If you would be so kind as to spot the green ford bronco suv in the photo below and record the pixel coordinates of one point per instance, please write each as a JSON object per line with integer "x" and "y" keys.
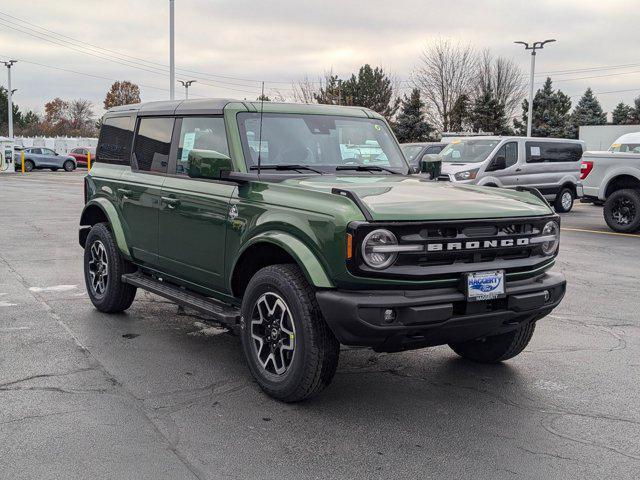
{"x": 302, "y": 227}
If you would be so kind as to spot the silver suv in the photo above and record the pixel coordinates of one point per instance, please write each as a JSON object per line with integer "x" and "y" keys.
{"x": 551, "y": 165}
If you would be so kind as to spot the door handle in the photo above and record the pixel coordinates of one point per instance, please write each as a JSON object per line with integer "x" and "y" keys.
{"x": 124, "y": 192}
{"x": 518, "y": 169}
{"x": 171, "y": 202}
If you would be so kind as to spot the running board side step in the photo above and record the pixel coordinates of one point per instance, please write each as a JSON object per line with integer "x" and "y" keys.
{"x": 225, "y": 314}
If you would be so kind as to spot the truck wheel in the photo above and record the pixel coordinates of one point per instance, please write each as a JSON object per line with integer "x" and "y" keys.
{"x": 103, "y": 267}
{"x": 29, "y": 165}
{"x": 290, "y": 350}
{"x": 68, "y": 166}
{"x": 622, "y": 210}
{"x": 564, "y": 201}
{"x": 497, "y": 348}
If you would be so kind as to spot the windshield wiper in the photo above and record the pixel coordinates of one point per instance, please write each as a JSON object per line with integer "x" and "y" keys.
{"x": 367, "y": 168}
{"x": 285, "y": 167}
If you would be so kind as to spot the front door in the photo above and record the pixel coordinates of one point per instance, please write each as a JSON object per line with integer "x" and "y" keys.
{"x": 504, "y": 165}
{"x": 194, "y": 212}
{"x": 139, "y": 190}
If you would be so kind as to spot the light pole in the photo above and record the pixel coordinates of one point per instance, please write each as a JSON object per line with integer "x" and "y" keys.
{"x": 186, "y": 84}
{"x": 8, "y": 64}
{"x": 533, "y": 47}
{"x": 172, "y": 64}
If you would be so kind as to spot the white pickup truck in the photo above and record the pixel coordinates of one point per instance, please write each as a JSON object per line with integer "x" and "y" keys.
{"x": 613, "y": 178}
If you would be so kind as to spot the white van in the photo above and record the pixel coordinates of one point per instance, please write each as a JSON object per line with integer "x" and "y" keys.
{"x": 552, "y": 165}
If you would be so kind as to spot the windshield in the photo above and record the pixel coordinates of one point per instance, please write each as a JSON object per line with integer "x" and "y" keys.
{"x": 411, "y": 152}
{"x": 625, "y": 147}
{"x": 321, "y": 142}
{"x": 468, "y": 151}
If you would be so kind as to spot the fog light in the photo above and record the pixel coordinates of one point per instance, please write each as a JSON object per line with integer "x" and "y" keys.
{"x": 389, "y": 315}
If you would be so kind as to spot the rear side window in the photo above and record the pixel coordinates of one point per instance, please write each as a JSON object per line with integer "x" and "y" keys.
{"x": 35, "y": 151}
{"x": 539, "y": 152}
{"x": 152, "y": 145}
{"x": 114, "y": 145}
{"x": 435, "y": 149}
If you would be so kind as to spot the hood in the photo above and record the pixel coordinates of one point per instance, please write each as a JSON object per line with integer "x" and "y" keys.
{"x": 406, "y": 198}
{"x": 455, "y": 167}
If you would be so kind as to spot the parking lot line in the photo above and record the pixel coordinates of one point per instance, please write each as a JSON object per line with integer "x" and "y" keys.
{"x": 599, "y": 231}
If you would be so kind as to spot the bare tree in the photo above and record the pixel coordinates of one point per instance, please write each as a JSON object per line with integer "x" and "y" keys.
{"x": 304, "y": 91}
{"x": 447, "y": 71}
{"x": 503, "y": 78}
{"x": 81, "y": 116}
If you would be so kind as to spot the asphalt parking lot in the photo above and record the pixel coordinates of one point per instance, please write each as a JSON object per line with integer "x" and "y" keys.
{"x": 157, "y": 393}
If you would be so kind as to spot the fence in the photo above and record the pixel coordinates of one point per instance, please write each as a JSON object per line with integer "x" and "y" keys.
{"x": 62, "y": 145}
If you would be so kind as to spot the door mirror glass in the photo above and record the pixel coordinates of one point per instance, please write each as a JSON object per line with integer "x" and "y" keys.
{"x": 431, "y": 164}
{"x": 208, "y": 164}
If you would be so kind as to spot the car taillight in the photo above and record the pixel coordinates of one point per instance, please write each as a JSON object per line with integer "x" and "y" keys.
{"x": 585, "y": 169}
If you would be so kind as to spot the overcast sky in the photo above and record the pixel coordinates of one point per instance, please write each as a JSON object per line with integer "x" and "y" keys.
{"x": 284, "y": 40}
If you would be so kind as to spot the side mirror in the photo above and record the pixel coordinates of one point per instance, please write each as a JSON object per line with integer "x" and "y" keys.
{"x": 432, "y": 164}
{"x": 208, "y": 164}
{"x": 498, "y": 163}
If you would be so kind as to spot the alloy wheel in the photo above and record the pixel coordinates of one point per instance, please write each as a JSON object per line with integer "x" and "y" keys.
{"x": 273, "y": 333}
{"x": 98, "y": 268}
{"x": 566, "y": 200}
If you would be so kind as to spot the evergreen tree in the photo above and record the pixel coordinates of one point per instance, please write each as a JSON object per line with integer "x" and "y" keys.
{"x": 371, "y": 89}
{"x": 488, "y": 114}
{"x": 459, "y": 114}
{"x": 588, "y": 111}
{"x": 550, "y": 113}
{"x": 410, "y": 125}
{"x": 329, "y": 93}
{"x": 635, "y": 112}
{"x": 622, "y": 114}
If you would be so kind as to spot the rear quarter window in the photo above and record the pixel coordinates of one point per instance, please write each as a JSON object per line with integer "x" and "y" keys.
{"x": 540, "y": 152}
{"x": 116, "y": 137}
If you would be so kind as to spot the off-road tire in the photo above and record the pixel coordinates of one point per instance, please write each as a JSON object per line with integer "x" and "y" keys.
{"x": 497, "y": 348}
{"x": 558, "y": 204}
{"x": 29, "y": 165}
{"x": 68, "y": 166}
{"x": 118, "y": 296}
{"x": 630, "y": 195}
{"x": 316, "y": 350}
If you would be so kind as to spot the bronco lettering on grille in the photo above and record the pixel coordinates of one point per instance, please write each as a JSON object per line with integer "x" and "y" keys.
{"x": 478, "y": 244}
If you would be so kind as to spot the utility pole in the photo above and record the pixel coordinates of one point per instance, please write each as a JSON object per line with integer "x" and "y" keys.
{"x": 172, "y": 60}
{"x": 186, "y": 84}
{"x": 533, "y": 47}
{"x": 8, "y": 64}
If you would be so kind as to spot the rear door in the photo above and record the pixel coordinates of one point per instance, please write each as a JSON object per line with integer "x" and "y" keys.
{"x": 194, "y": 212}
{"x": 140, "y": 187}
{"x": 49, "y": 158}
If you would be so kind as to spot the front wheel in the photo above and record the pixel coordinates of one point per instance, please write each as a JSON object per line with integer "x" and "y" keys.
{"x": 622, "y": 210}
{"x": 564, "y": 201}
{"x": 68, "y": 166}
{"x": 289, "y": 348}
{"x": 496, "y": 348}
{"x": 103, "y": 269}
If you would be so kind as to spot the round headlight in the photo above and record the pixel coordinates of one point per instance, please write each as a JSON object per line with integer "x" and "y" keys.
{"x": 551, "y": 229}
{"x": 376, "y": 257}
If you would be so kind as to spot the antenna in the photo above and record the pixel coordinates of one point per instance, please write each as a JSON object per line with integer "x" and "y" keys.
{"x": 260, "y": 135}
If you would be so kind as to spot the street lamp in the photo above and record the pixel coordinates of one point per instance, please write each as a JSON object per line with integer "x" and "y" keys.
{"x": 8, "y": 64}
{"x": 533, "y": 47}
{"x": 172, "y": 56}
{"x": 186, "y": 84}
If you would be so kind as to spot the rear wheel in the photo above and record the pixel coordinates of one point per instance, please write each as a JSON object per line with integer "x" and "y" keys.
{"x": 289, "y": 348}
{"x": 496, "y": 348}
{"x": 622, "y": 210}
{"x": 69, "y": 166}
{"x": 29, "y": 165}
{"x": 564, "y": 201}
{"x": 103, "y": 269}
{"x": 54, "y": 169}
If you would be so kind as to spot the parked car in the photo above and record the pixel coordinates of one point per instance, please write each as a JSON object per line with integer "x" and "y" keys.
{"x": 260, "y": 219}
{"x": 612, "y": 178}
{"x": 41, "y": 157}
{"x": 551, "y": 165}
{"x": 414, "y": 152}
{"x": 80, "y": 154}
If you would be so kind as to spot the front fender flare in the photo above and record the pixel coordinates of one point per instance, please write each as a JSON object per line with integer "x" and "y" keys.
{"x": 114, "y": 222}
{"x": 306, "y": 259}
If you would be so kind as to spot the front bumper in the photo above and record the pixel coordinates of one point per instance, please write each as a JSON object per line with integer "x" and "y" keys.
{"x": 435, "y": 317}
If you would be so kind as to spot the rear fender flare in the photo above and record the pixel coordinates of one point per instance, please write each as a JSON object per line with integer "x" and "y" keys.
{"x": 114, "y": 222}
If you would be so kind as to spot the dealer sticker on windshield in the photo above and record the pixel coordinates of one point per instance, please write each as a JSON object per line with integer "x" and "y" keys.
{"x": 485, "y": 285}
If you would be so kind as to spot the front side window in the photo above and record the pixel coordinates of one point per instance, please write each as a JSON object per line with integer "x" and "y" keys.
{"x": 539, "y": 152}
{"x": 152, "y": 144}
{"x": 321, "y": 142}
{"x": 468, "y": 151}
{"x": 625, "y": 148}
{"x": 47, "y": 151}
{"x": 114, "y": 144}
{"x": 200, "y": 133}
{"x": 434, "y": 150}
